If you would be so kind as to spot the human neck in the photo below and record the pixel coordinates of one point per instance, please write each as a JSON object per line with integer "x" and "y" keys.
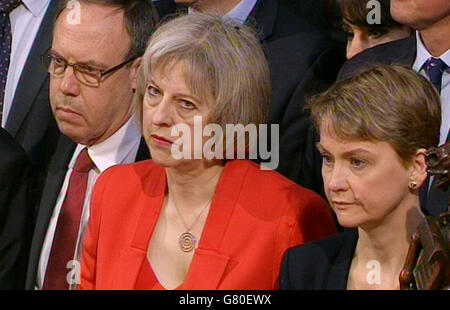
{"x": 221, "y": 7}
{"x": 381, "y": 244}
{"x": 191, "y": 188}
{"x": 383, "y": 247}
{"x": 435, "y": 37}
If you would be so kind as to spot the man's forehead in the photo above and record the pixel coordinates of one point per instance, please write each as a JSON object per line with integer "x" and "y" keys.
{"x": 93, "y": 19}
{"x": 97, "y": 37}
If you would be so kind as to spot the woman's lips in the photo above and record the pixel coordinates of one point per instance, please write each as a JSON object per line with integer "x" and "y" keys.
{"x": 161, "y": 140}
{"x": 341, "y": 204}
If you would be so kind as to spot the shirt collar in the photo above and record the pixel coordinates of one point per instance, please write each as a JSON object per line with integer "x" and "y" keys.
{"x": 240, "y": 12}
{"x": 423, "y": 55}
{"x": 36, "y": 6}
{"x": 114, "y": 150}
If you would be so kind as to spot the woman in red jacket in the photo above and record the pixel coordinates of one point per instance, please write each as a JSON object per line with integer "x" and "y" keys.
{"x": 193, "y": 218}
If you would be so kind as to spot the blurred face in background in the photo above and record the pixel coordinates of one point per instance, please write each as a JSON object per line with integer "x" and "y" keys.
{"x": 361, "y": 38}
{"x": 420, "y": 14}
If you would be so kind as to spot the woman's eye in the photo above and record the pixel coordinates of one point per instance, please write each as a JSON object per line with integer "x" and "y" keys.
{"x": 187, "y": 105}
{"x": 357, "y": 162}
{"x": 375, "y": 34}
{"x": 326, "y": 159}
{"x": 152, "y": 91}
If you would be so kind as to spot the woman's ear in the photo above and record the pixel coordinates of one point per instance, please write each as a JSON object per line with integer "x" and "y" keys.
{"x": 134, "y": 72}
{"x": 418, "y": 169}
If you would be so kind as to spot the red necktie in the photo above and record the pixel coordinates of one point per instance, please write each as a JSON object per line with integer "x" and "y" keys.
{"x": 68, "y": 225}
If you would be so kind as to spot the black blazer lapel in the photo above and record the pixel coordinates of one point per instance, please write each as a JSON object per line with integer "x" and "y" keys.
{"x": 408, "y": 51}
{"x": 34, "y": 75}
{"x": 53, "y": 183}
{"x": 396, "y": 52}
{"x": 338, "y": 275}
{"x": 143, "y": 151}
{"x": 263, "y": 17}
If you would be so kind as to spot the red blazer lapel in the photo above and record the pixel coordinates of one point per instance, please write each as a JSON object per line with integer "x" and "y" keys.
{"x": 208, "y": 258}
{"x": 133, "y": 256}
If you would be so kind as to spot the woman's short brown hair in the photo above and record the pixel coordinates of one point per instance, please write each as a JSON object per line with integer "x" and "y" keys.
{"x": 223, "y": 61}
{"x": 385, "y": 103}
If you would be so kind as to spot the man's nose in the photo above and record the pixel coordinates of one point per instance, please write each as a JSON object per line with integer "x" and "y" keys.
{"x": 70, "y": 86}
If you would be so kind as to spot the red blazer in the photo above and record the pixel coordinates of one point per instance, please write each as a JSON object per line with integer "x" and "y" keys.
{"x": 254, "y": 218}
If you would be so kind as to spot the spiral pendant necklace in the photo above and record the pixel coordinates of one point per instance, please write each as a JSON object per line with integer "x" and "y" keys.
{"x": 187, "y": 241}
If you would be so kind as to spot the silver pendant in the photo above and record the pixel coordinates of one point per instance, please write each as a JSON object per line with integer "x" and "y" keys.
{"x": 187, "y": 242}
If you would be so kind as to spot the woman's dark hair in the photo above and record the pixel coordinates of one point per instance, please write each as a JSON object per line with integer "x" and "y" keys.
{"x": 355, "y": 12}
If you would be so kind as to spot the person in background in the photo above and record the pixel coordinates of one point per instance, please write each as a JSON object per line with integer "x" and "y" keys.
{"x": 25, "y": 34}
{"x": 93, "y": 66}
{"x": 198, "y": 222}
{"x": 427, "y": 52}
{"x": 354, "y": 20}
{"x": 374, "y": 131}
{"x": 17, "y": 198}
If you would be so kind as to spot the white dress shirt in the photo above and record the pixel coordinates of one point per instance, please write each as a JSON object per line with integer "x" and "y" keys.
{"x": 120, "y": 148}
{"x": 240, "y": 12}
{"x": 422, "y": 56}
{"x": 25, "y": 22}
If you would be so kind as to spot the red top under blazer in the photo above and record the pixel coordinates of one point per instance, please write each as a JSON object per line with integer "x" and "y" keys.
{"x": 255, "y": 216}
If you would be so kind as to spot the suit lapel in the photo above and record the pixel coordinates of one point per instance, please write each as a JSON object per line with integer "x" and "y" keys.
{"x": 34, "y": 75}
{"x": 208, "y": 258}
{"x": 338, "y": 275}
{"x": 264, "y": 15}
{"x": 132, "y": 257}
{"x": 53, "y": 183}
{"x": 409, "y": 51}
{"x": 143, "y": 151}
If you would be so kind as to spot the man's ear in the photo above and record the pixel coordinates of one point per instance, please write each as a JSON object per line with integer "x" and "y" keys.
{"x": 419, "y": 168}
{"x": 134, "y": 72}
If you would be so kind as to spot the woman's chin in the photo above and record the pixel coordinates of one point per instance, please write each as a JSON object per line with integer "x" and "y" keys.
{"x": 348, "y": 222}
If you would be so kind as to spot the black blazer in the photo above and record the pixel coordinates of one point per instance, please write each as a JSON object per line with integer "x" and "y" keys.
{"x": 320, "y": 265}
{"x": 165, "y": 7}
{"x": 53, "y": 183}
{"x": 401, "y": 52}
{"x": 303, "y": 61}
{"x": 16, "y": 212}
{"x": 30, "y": 120}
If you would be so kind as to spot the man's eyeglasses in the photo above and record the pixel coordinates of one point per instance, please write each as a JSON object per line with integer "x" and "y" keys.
{"x": 86, "y": 74}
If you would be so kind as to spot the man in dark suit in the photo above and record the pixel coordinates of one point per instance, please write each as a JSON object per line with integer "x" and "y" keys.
{"x": 92, "y": 81}
{"x": 427, "y": 52}
{"x": 16, "y": 212}
{"x": 303, "y": 61}
{"x": 165, "y": 7}
{"x": 29, "y": 119}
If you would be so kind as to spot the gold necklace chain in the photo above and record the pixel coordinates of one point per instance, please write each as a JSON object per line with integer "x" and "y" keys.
{"x": 187, "y": 241}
